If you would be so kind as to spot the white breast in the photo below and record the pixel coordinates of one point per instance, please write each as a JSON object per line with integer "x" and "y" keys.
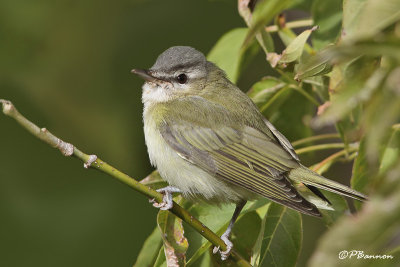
{"x": 182, "y": 174}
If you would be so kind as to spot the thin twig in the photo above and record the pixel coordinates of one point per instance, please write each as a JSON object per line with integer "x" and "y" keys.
{"x": 273, "y": 98}
{"x": 305, "y": 94}
{"x": 315, "y": 138}
{"x": 319, "y": 147}
{"x": 291, "y": 25}
{"x": 93, "y": 161}
{"x": 332, "y": 158}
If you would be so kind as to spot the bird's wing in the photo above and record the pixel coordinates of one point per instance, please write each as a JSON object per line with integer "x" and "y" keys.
{"x": 245, "y": 157}
{"x": 282, "y": 140}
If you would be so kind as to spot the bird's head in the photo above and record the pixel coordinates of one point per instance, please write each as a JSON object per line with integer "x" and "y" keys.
{"x": 178, "y": 72}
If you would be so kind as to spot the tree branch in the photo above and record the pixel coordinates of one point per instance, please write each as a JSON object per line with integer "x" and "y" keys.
{"x": 93, "y": 161}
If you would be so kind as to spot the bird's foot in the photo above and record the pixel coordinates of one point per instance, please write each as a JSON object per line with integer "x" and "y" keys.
{"x": 229, "y": 246}
{"x": 167, "y": 202}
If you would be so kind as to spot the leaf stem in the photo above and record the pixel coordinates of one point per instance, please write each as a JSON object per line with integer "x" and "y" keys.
{"x": 272, "y": 100}
{"x": 305, "y": 94}
{"x": 332, "y": 158}
{"x": 293, "y": 85}
{"x": 319, "y": 147}
{"x": 291, "y": 25}
{"x": 315, "y": 138}
{"x": 93, "y": 161}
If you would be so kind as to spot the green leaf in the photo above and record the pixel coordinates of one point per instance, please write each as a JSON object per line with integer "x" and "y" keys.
{"x": 255, "y": 258}
{"x": 366, "y": 173}
{"x": 313, "y": 65}
{"x": 228, "y": 54}
{"x": 391, "y": 154}
{"x": 381, "y": 113}
{"x": 262, "y": 91}
{"x": 244, "y": 236}
{"x": 264, "y": 13}
{"x": 338, "y": 203}
{"x": 149, "y": 252}
{"x": 363, "y": 172}
{"x": 245, "y": 233}
{"x": 175, "y": 243}
{"x": 205, "y": 261}
{"x": 282, "y": 237}
{"x": 386, "y": 45}
{"x": 217, "y": 219}
{"x": 214, "y": 217}
{"x": 160, "y": 261}
{"x": 294, "y": 50}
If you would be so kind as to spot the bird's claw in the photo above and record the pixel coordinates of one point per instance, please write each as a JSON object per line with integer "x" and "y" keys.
{"x": 161, "y": 205}
{"x": 167, "y": 202}
{"x": 229, "y": 246}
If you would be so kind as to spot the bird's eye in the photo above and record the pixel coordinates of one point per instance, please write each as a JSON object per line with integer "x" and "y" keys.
{"x": 181, "y": 78}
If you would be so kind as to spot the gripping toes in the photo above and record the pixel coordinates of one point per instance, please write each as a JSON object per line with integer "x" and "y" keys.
{"x": 229, "y": 246}
{"x": 167, "y": 202}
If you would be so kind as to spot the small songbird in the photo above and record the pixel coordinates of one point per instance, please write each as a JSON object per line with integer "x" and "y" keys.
{"x": 209, "y": 141}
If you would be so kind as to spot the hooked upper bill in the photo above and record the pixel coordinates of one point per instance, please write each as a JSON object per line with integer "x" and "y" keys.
{"x": 145, "y": 74}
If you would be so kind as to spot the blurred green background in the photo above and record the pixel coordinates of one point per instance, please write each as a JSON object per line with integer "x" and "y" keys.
{"x": 66, "y": 65}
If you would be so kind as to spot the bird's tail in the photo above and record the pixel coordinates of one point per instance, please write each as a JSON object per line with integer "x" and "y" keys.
{"x": 306, "y": 176}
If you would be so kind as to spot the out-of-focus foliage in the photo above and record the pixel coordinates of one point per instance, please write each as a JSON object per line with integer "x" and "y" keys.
{"x": 347, "y": 68}
{"x": 229, "y": 55}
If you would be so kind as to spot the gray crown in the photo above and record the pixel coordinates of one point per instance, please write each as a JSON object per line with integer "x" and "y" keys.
{"x": 177, "y": 57}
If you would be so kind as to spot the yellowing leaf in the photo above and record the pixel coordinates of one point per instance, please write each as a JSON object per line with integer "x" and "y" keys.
{"x": 175, "y": 243}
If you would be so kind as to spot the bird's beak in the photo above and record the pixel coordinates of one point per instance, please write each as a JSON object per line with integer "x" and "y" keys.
{"x": 145, "y": 74}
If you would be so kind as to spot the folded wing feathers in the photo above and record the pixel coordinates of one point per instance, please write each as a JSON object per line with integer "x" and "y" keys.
{"x": 249, "y": 159}
{"x": 282, "y": 140}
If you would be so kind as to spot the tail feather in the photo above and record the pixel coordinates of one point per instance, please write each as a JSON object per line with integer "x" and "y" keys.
{"x": 308, "y": 177}
{"x": 318, "y": 193}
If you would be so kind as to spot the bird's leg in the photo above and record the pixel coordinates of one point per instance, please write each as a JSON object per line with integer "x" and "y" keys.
{"x": 227, "y": 233}
{"x": 167, "y": 202}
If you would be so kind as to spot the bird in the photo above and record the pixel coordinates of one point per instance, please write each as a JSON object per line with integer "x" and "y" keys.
{"x": 209, "y": 141}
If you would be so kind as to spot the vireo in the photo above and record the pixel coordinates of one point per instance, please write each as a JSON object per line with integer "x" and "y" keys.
{"x": 208, "y": 140}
